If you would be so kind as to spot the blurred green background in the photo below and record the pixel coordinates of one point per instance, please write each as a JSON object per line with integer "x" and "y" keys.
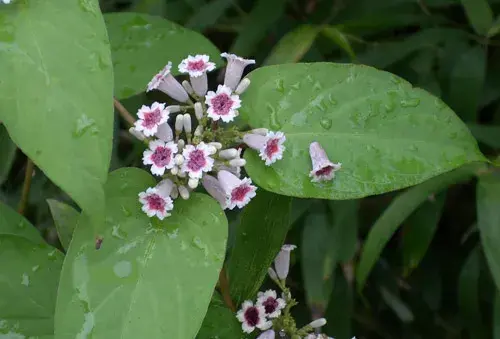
{"x": 432, "y": 279}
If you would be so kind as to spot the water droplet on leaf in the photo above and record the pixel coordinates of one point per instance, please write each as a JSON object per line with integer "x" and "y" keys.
{"x": 83, "y": 124}
{"x": 413, "y": 102}
{"x": 280, "y": 86}
{"x": 122, "y": 269}
{"x": 25, "y": 280}
{"x": 326, "y": 123}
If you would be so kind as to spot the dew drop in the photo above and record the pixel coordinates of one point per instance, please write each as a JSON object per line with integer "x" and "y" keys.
{"x": 126, "y": 211}
{"x": 298, "y": 119}
{"x": 122, "y": 269}
{"x": 83, "y": 124}
{"x": 35, "y": 268}
{"x": 274, "y": 123}
{"x": 21, "y": 225}
{"x": 117, "y": 233}
{"x": 413, "y": 102}
{"x": 280, "y": 86}
{"x": 317, "y": 86}
{"x": 52, "y": 255}
{"x": 326, "y": 123}
{"x": 413, "y": 148}
{"x": 309, "y": 78}
{"x": 389, "y": 107}
{"x": 87, "y": 6}
{"x": 296, "y": 86}
{"x": 332, "y": 100}
{"x": 439, "y": 103}
{"x": 25, "y": 280}
{"x": 396, "y": 79}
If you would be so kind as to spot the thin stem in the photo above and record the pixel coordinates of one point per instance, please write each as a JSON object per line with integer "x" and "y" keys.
{"x": 28, "y": 175}
{"x": 124, "y": 113}
{"x": 224, "y": 290}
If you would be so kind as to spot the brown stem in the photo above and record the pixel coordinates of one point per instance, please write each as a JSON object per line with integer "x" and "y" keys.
{"x": 124, "y": 113}
{"x": 28, "y": 174}
{"x": 224, "y": 289}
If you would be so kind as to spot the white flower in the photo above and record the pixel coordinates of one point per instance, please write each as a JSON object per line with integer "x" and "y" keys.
{"x": 252, "y": 317}
{"x": 270, "y": 146}
{"x": 267, "y": 335}
{"x": 222, "y": 105}
{"x": 165, "y": 132}
{"x": 150, "y": 118}
{"x": 282, "y": 261}
{"x": 318, "y": 323}
{"x": 214, "y": 188}
{"x": 160, "y": 155}
{"x": 234, "y": 69}
{"x": 271, "y": 303}
{"x": 197, "y": 160}
{"x": 239, "y": 192}
{"x": 165, "y": 82}
{"x": 323, "y": 168}
{"x": 155, "y": 203}
{"x": 196, "y": 65}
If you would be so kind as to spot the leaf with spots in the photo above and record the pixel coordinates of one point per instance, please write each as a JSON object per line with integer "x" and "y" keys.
{"x": 387, "y": 134}
{"x": 29, "y": 276}
{"x": 57, "y": 104}
{"x": 148, "y": 278}
{"x": 142, "y": 45}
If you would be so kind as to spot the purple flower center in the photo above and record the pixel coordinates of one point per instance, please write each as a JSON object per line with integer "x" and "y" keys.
{"x": 327, "y": 170}
{"x": 270, "y": 305}
{"x": 161, "y": 156}
{"x": 155, "y": 202}
{"x": 252, "y": 316}
{"x": 272, "y": 147}
{"x": 196, "y": 160}
{"x": 198, "y": 65}
{"x": 152, "y": 118}
{"x": 240, "y": 192}
{"x": 222, "y": 104}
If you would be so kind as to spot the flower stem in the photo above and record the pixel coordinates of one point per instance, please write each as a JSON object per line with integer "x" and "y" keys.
{"x": 224, "y": 289}
{"x": 124, "y": 113}
{"x": 28, "y": 174}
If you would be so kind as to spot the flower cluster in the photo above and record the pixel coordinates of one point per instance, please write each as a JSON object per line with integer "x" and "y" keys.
{"x": 271, "y": 314}
{"x": 192, "y": 148}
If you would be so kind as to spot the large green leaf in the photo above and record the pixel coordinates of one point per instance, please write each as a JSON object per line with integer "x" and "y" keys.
{"x": 387, "y": 134}
{"x": 488, "y": 219}
{"x": 142, "y": 45}
{"x": 260, "y": 235}
{"x": 479, "y": 14}
{"x": 29, "y": 276}
{"x": 340, "y": 308}
{"x": 148, "y": 279}
{"x": 65, "y": 218}
{"x": 220, "y": 322}
{"x": 400, "y": 209}
{"x": 57, "y": 104}
{"x": 7, "y": 155}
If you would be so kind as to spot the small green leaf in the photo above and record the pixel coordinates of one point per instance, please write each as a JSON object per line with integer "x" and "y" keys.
{"x": 12, "y": 223}
{"x": 495, "y": 28}
{"x": 344, "y": 233}
{"x": 468, "y": 295}
{"x": 257, "y": 24}
{"x": 7, "y": 155}
{"x": 57, "y": 105}
{"x": 387, "y": 134}
{"x": 293, "y": 46}
{"x": 339, "y": 38}
{"x": 479, "y": 14}
{"x": 488, "y": 219}
{"x": 148, "y": 278}
{"x": 220, "y": 322}
{"x": 400, "y": 209}
{"x": 65, "y": 218}
{"x": 28, "y": 279}
{"x": 419, "y": 231}
{"x": 260, "y": 235}
{"x": 143, "y": 44}
{"x": 490, "y": 135}
{"x": 208, "y": 14}
{"x": 467, "y": 82}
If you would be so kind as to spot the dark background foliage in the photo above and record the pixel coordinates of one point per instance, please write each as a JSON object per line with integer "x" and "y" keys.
{"x": 432, "y": 279}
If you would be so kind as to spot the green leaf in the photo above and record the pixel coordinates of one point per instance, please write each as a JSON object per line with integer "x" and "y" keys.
{"x": 340, "y": 308}
{"x": 293, "y": 46}
{"x": 490, "y": 135}
{"x": 397, "y": 305}
{"x": 496, "y": 317}
{"x": 317, "y": 257}
{"x": 479, "y": 14}
{"x": 220, "y": 322}
{"x": 468, "y": 293}
{"x": 495, "y": 28}
{"x": 65, "y": 218}
{"x": 338, "y": 37}
{"x": 7, "y": 155}
{"x": 400, "y": 209}
{"x": 12, "y": 223}
{"x": 143, "y": 44}
{"x": 148, "y": 278}
{"x": 61, "y": 118}
{"x": 28, "y": 279}
{"x": 419, "y": 231}
{"x": 488, "y": 219}
{"x": 260, "y": 235}
{"x": 344, "y": 233}
{"x": 467, "y": 82}
{"x": 263, "y": 16}
{"x": 387, "y": 134}
{"x": 208, "y": 14}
